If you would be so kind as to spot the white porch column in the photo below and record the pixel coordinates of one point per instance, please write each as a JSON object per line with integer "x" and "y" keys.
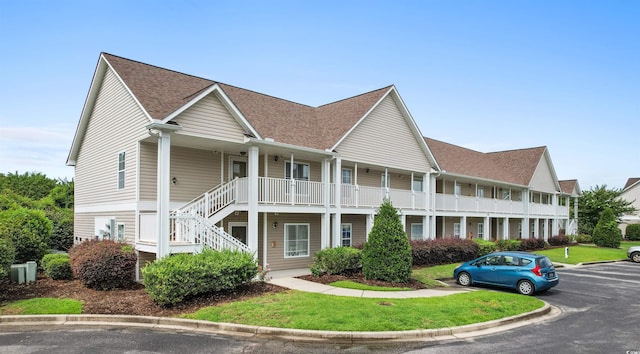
{"x": 369, "y": 225}
{"x": 487, "y": 228}
{"x": 325, "y": 218}
{"x": 463, "y": 227}
{"x": 505, "y": 229}
{"x": 426, "y": 228}
{"x": 525, "y": 220}
{"x": 536, "y": 228}
{"x": 252, "y": 221}
{"x": 337, "y": 224}
{"x": 265, "y": 246}
{"x": 403, "y": 221}
{"x": 546, "y": 229}
{"x": 163, "y": 190}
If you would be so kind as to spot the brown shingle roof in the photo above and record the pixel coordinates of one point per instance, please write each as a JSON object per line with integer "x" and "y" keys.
{"x": 631, "y": 182}
{"x": 568, "y": 186}
{"x": 513, "y": 166}
{"x": 161, "y": 92}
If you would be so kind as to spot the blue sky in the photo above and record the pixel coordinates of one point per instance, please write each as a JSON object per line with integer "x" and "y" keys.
{"x": 486, "y": 75}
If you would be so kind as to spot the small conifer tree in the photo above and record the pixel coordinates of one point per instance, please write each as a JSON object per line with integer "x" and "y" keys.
{"x": 387, "y": 253}
{"x": 606, "y": 233}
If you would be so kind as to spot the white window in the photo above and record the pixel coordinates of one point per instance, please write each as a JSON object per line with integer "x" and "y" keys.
{"x": 481, "y": 230}
{"x": 121, "y": 169}
{"x": 296, "y": 240}
{"x": 384, "y": 180}
{"x": 347, "y": 176}
{"x": 480, "y": 192}
{"x": 300, "y": 171}
{"x": 520, "y": 230}
{"x": 506, "y": 194}
{"x": 416, "y": 231}
{"x": 346, "y": 235}
{"x": 417, "y": 185}
{"x": 120, "y": 232}
{"x": 456, "y": 230}
{"x": 457, "y": 189}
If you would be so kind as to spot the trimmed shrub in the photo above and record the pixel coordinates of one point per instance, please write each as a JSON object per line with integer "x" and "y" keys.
{"x": 387, "y": 255}
{"x": 103, "y": 264}
{"x": 173, "y": 279}
{"x": 28, "y": 230}
{"x": 606, "y": 233}
{"x": 632, "y": 233}
{"x": 57, "y": 266}
{"x": 529, "y": 244}
{"x": 558, "y": 240}
{"x": 485, "y": 247}
{"x": 443, "y": 251}
{"x": 339, "y": 260}
{"x": 582, "y": 238}
{"x": 62, "y": 229}
{"x": 7, "y": 256}
{"x": 508, "y": 245}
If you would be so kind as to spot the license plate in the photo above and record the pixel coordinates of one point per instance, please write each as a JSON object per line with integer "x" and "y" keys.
{"x": 551, "y": 275}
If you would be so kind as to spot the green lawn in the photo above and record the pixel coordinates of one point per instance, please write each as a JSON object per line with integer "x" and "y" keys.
{"x": 348, "y": 284}
{"x": 42, "y": 306}
{"x": 427, "y": 275}
{"x": 295, "y": 309}
{"x": 588, "y": 253}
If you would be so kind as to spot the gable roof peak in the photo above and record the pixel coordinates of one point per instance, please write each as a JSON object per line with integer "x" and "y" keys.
{"x": 357, "y": 96}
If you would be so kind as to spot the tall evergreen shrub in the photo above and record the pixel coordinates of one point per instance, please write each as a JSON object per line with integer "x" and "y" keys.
{"x": 387, "y": 254}
{"x": 606, "y": 233}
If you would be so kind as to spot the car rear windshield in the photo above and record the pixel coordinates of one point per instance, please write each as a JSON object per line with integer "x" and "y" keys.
{"x": 544, "y": 262}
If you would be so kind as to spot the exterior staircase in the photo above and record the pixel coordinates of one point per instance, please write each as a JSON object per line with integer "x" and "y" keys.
{"x": 195, "y": 222}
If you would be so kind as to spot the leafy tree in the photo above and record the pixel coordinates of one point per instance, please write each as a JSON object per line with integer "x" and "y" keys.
{"x": 62, "y": 194}
{"x": 606, "y": 233}
{"x": 28, "y": 230}
{"x": 387, "y": 254}
{"x": 32, "y": 185}
{"x": 633, "y": 232}
{"x": 7, "y": 256}
{"x": 593, "y": 202}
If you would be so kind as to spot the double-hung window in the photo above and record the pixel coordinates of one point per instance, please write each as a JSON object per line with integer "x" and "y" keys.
{"x": 121, "y": 169}
{"x": 481, "y": 230}
{"x": 347, "y": 176}
{"x": 480, "y": 192}
{"x": 296, "y": 240}
{"x": 416, "y": 231}
{"x": 120, "y": 232}
{"x": 346, "y": 238}
{"x": 417, "y": 185}
{"x": 300, "y": 173}
{"x": 456, "y": 230}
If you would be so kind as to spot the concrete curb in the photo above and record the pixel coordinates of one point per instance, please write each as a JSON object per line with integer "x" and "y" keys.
{"x": 178, "y": 324}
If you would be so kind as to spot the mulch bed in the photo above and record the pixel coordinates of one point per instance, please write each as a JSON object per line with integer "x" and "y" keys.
{"x": 359, "y": 278}
{"x": 132, "y": 301}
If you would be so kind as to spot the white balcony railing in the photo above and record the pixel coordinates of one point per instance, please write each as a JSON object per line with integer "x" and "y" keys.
{"x": 450, "y": 202}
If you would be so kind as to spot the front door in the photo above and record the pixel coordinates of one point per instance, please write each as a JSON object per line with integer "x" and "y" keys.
{"x": 239, "y": 231}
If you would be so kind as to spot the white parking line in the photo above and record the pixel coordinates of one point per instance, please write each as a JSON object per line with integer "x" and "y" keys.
{"x": 599, "y": 277}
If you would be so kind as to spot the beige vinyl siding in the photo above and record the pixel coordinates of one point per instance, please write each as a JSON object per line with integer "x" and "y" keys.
{"x": 275, "y": 254}
{"x": 542, "y": 179}
{"x": 412, "y": 219}
{"x": 384, "y": 138}
{"x": 196, "y": 171}
{"x": 115, "y": 126}
{"x": 358, "y": 228}
{"x": 209, "y": 118}
{"x": 84, "y": 224}
{"x": 277, "y": 169}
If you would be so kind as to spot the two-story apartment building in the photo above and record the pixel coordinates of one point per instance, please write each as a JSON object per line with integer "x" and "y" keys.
{"x": 630, "y": 193}
{"x": 171, "y": 162}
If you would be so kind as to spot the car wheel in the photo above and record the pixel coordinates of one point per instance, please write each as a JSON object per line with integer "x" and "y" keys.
{"x": 464, "y": 279}
{"x": 635, "y": 256}
{"x": 526, "y": 287}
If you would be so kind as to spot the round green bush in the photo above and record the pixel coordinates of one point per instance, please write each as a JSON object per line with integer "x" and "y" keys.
{"x": 485, "y": 247}
{"x": 103, "y": 264}
{"x": 582, "y": 238}
{"x": 28, "y": 230}
{"x": 387, "y": 253}
{"x": 59, "y": 269}
{"x": 632, "y": 233}
{"x": 7, "y": 256}
{"x": 339, "y": 260}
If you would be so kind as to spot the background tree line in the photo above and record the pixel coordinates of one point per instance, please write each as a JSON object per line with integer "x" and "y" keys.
{"x": 36, "y": 216}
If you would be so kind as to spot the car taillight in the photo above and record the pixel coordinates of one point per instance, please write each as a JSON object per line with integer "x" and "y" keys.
{"x": 537, "y": 271}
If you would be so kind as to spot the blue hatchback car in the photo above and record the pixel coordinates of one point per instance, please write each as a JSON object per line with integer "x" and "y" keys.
{"x": 523, "y": 271}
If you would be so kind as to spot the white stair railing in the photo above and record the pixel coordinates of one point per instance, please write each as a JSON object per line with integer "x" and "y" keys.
{"x": 214, "y": 199}
{"x": 193, "y": 228}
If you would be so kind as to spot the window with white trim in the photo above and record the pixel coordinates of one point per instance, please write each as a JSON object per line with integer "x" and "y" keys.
{"x": 121, "y": 169}
{"x": 120, "y": 232}
{"x": 296, "y": 240}
{"x": 384, "y": 180}
{"x": 456, "y": 230}
{"x": 347, "y": 176}
{"x": 417, "y": 185}
{"x": 416, "y": 231}
{"x": 300, "y": 171}
{"x": 346, "y": 238}
{"x": 457, "y": 189}
{"x": 480, "y": 192}
{"x": 506, "y": 194}
{"x": 481, "y": 230}
{"x": 520, "y": 230}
